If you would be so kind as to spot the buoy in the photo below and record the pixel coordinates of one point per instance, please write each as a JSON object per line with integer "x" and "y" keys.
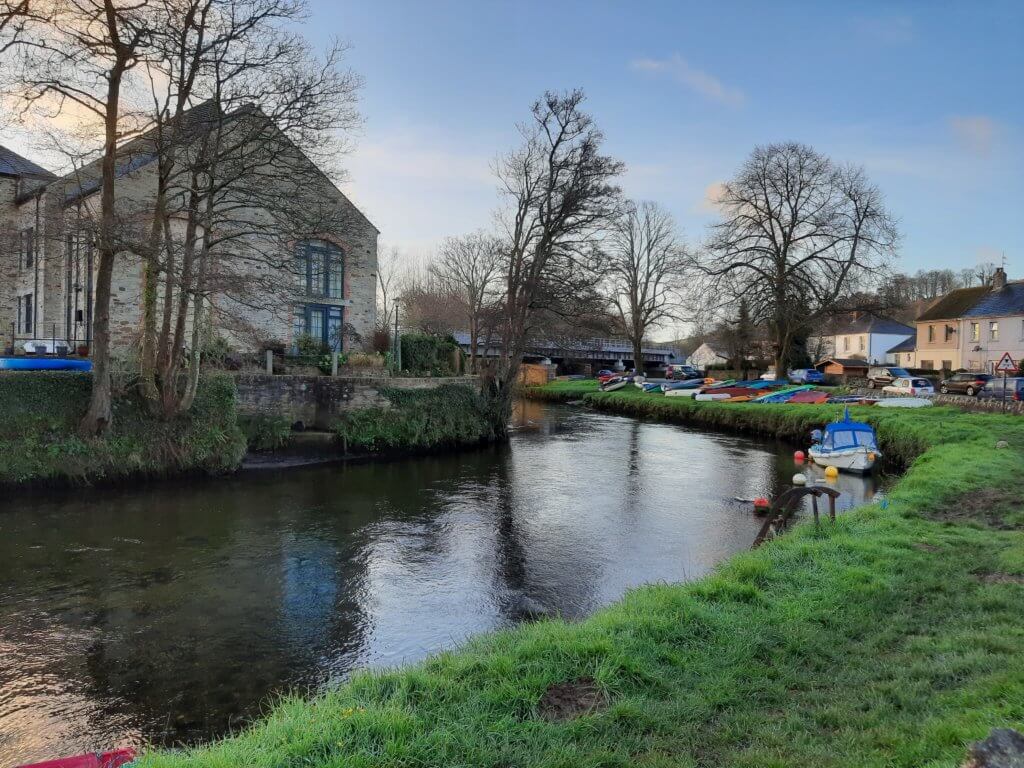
{"x": 761, "y": 504}
{"x": 799, "y": 479}
{"x": 798, "y": 457}
{"x": 831, "y": 472}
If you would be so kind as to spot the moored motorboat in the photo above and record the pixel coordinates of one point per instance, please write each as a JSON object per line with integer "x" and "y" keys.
{"x": 847, "y": 445}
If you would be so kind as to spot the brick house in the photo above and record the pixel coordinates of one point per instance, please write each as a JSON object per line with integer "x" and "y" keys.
{"x": 315, "y": 284}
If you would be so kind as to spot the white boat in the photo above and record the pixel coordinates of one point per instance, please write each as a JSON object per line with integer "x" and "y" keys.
{"x": 903, "y": 402}
{"x": 681, "y": 393}
{"x": 847, "y": 445}
{"x": 613, "y": 384}
{"x": 712, "y": 396}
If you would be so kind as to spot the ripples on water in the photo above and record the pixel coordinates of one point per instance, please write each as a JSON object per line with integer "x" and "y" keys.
{"x": 174, "y": 612}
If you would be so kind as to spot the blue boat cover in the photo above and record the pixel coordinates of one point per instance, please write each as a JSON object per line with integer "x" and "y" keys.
{"x": 848, "y": 433}
{"x": 44, "y": 364}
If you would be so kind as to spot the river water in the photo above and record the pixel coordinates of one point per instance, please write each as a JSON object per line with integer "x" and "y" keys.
{"x": 173, "y": 613}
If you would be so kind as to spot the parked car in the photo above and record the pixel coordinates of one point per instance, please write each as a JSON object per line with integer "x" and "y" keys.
{"x": 965, "y": 383}
{"x": 683, "y": 372}
{"x": 880, "y": 377}
{"x": 769, "y": 375}
{"x": 912, "y": 385}
{"x": 993, "y": 389}
{"x": 806, "y": 376}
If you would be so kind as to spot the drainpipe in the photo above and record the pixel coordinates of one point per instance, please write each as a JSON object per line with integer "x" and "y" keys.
{"x": 36, "y": 239}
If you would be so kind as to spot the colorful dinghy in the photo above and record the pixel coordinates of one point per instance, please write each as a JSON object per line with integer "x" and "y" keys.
{"x": 847, "y": 445}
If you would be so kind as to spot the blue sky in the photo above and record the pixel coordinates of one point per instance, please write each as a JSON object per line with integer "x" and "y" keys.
{"x": 927, "y": 96}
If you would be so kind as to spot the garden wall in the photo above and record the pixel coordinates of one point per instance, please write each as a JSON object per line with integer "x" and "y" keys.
{"x": 315, "y": 402}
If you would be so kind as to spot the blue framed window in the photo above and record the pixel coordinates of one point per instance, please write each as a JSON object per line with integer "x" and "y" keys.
{"x": 320, "y": 269}
{"x": 322, "y": 322}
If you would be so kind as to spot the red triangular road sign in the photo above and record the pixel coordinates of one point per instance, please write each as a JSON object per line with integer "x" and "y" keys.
{"x": 1006, "y": 363}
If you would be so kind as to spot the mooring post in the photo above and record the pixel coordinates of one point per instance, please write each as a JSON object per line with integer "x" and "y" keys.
{"x": 832, "y": 507}
{"x": 270, "y": 362}
{"x": 814, "y": 507}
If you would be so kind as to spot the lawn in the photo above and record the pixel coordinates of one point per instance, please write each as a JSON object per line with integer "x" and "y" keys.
{"x": 894, "y": 637}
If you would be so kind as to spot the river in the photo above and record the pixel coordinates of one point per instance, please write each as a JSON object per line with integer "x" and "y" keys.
{"x": 173, "y": 612}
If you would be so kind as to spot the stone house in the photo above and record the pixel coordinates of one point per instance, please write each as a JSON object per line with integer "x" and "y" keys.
{"x": 971, "y": 328}
{"x": 282, "y": 281}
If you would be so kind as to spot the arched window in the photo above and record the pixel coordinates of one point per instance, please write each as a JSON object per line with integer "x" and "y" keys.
{"x": 320, "y": 269}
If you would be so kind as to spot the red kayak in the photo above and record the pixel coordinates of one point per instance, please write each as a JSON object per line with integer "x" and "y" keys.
{"x": 113, "y": 759}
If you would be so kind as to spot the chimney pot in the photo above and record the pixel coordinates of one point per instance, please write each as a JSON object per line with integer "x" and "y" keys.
{"x": 999, "y": 279}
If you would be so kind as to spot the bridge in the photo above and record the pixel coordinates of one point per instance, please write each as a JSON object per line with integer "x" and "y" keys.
{"x": 596, "y": 351}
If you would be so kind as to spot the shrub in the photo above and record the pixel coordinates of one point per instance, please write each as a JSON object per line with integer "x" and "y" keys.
{"x": 426, "y": 354}
{"x": 420, "y": 419}
{"x": 39, "y": 415}
{"x": 265, "y": 433}
{"x": 366, "y": 360}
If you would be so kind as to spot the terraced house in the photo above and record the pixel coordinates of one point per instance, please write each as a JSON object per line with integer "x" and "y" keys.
{"x": 971, "y": 328}
{"x": 292, "y": 257}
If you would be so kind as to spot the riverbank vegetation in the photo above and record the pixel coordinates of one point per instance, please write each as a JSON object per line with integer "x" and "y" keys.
{"x": 892, "y": 637}
{"x": 448, "y": 416}
{"x": 39, "y": 441}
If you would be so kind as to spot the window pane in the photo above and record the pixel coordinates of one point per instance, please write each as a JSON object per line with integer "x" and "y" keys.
{"x": 316, "y": 324}
{"x": 334, "y": 340}
{"x": 316, "y": 271}
{"x": 335, "y": 278}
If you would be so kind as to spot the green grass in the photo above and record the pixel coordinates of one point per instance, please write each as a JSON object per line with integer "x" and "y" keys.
{"x": 39, "y": 415}
{"x": 875, "y": 641}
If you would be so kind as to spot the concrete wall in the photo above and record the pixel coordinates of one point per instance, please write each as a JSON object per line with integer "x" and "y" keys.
{"x": 316, "y": 401}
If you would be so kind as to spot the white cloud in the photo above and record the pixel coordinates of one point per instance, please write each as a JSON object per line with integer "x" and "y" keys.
{"x": 711, "y": 201}
{"x": 696, "y": 80}
{"x": 976, "y": 133}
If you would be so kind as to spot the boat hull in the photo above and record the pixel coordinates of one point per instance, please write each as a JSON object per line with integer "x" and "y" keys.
{"x": 859, "y": 459}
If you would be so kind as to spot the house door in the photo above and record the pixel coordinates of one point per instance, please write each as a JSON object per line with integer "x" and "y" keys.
{"x": 324, "y": 324}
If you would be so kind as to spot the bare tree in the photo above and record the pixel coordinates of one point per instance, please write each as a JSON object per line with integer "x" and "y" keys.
{"x": 389, "y": 266}
{"x": 469, "y": 268}
{"x": 560, "y": 194}
{"x": 644, "y": 271}
{"x": 79, "y": 53}
{"x": 799, "y": 233}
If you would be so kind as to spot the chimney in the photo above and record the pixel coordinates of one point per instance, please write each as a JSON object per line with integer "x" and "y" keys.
{"x": 999, "y": 279}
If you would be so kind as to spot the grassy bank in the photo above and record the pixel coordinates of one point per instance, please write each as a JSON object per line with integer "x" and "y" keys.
{"x": 39, "y": 414}
{"x": 892, "y": 638}
{"x": 418, "y": 420}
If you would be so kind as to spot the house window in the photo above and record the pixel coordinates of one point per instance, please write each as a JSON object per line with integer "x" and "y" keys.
{"x": 846, "y": 343}
{"x": 322, "y": 323}
{"x": 975, "y": 332}
{"x": 861, "y": 340}
{"x": 320, "y": 269}
{"x": 26, "y": 248}
{"x": 947, "y": 365}
{"x": 947, "y": 332}
{"x": 25, "y": 307}
{"x": 928, "y": 365}
{"x": 931, "y": 333}
{"x": 993, "y": 330}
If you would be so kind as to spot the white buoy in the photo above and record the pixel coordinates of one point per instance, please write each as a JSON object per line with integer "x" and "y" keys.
{"x": 799, "y": 479}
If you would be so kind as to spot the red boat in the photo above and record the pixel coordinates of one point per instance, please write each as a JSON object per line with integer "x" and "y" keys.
{"x": 112, "y": 759}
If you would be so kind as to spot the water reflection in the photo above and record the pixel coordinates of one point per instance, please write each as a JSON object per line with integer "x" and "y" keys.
{"x": 174, "y": 612}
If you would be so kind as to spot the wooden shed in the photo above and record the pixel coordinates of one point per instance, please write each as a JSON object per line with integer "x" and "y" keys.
{"x": 843, "y": 366}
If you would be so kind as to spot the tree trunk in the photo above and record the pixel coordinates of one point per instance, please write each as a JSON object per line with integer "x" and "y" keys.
{"x": 638, "y": 357}
{"x": 99, "y": 415}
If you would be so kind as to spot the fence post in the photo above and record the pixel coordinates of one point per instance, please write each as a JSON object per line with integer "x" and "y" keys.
{"x": 334, "y": 363}
{"x": 270, "y": 362}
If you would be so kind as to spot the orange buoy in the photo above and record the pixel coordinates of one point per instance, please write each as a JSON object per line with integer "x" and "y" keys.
{"x": 761, "y": 504}
{"x": 799, "y": 457}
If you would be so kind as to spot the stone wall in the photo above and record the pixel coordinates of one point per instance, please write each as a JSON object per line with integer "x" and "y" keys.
{"x": 315, "y": 401}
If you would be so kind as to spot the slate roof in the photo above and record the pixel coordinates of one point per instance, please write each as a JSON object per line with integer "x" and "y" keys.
{"x": 869, "y": 323}
{"x": 954, "y": 304}
{"x": 1006, "y": 301}
{"x": 909, "y": 344}
{"x": 13, "y": 164}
